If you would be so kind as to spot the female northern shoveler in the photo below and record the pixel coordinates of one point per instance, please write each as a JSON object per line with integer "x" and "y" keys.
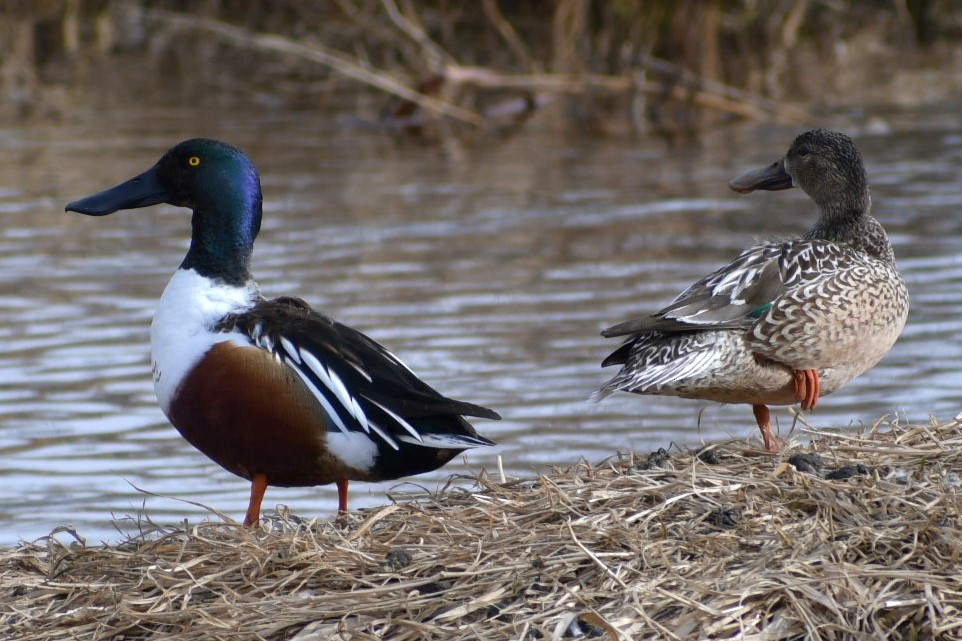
{"x": 785, "y": 321}
{"x": 272, "y": 390}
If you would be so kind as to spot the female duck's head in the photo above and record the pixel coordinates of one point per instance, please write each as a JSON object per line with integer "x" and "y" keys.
{"x": 826, "y": 165}
{"x": 218, "y": 182}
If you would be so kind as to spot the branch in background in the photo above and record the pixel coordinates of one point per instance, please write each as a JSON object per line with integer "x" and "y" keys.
{"x": 318, "y": 53}
{"x": 691, "y": 88}
{"x": 507, "y": 32}
{"x": 435, "y": 53}
{"x": 724, "y": 92}
{"x": 371, "y": 27}
{"x": 743, "y": 104}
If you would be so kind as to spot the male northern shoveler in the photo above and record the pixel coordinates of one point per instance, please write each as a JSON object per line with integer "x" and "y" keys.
{"x": 784, "y": 322}
{"x": 272, "y": 390}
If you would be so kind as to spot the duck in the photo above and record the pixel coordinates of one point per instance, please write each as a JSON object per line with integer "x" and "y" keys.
{"x": 786, "y": 321}
{"x": 271, "y": 389}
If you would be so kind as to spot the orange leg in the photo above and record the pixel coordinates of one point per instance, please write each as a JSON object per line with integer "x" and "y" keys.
{"x": 258, "y": 487}
{"x": 764, "y": 419}
{"x": 808, "y": 388}
{"x": 342, "y": 497}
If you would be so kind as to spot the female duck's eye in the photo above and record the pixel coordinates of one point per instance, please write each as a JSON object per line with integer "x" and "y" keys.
{"x": 193, "y": 161}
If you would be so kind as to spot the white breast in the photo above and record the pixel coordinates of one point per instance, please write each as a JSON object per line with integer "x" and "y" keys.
{"x": 183, "y": 327}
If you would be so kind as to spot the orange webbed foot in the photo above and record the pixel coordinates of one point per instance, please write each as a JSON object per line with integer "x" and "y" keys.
{"x": 807, "y": 388}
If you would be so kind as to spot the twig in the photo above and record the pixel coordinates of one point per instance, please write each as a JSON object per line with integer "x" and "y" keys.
{"x": 697, "y": 82}
{"x": 315, "y": 52}
{"x": 439, "y": 55}
{"x": 507, "y": 32}
{"x": 582, "y": 83}
{"x": 371, "y": 27}
{"x": 595, "y": 559}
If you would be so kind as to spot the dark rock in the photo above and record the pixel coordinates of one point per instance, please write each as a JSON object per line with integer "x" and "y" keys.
{"x": 395, "y": 561}
{"x": 847, "y": 472}
{"x": 809, "y": 462}
{"x": 709, "y": 455}
{"x": 725, "y": 517}
{"x": 658, "y": 458}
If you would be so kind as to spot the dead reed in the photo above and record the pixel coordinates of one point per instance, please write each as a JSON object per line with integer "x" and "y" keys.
{"x": 848, "y": 536}
{"x": 662, "y": 65}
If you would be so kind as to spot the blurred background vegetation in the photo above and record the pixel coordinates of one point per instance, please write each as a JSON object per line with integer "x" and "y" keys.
{"x": 613, "y": 66}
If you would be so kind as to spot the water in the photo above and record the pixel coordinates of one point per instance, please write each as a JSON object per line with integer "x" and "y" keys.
{"x": 490, "y": 272}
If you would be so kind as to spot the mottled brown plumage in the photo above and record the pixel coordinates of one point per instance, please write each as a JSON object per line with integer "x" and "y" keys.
{"x": 784, "y": 322}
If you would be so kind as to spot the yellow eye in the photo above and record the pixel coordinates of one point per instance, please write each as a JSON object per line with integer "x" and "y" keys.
{"x": 193, "y": 161}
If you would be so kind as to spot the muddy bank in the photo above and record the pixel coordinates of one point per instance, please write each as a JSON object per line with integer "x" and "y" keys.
{"x": 839, "y": 536}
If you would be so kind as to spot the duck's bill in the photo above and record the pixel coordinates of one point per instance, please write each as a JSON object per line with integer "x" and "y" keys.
{"x": 141, "y": 191}
{"x": 770, "y": 178}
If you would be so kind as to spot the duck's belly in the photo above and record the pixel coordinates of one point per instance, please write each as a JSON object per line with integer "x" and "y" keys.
{"x": 251, "y": 415}
{"x": 757, "y": 384}
{"x": 734, "y": 373}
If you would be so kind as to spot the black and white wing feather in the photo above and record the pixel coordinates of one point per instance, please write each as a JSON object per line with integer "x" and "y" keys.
{"x": 361, "y": 385}
{"x": 750, "y": 292}
{"x": 725, "y": 299}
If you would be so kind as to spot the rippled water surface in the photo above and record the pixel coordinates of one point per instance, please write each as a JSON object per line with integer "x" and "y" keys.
{"x": 490, "y": 270}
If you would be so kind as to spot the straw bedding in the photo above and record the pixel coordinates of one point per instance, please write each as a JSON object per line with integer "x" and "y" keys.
{"x": 857, "y": 538}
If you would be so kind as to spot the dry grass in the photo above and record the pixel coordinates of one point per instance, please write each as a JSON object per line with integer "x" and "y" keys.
{"x": 727, "y": 543}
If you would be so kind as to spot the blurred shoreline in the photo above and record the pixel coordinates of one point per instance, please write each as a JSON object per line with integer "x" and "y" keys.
{"x": 607, "y": 68}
